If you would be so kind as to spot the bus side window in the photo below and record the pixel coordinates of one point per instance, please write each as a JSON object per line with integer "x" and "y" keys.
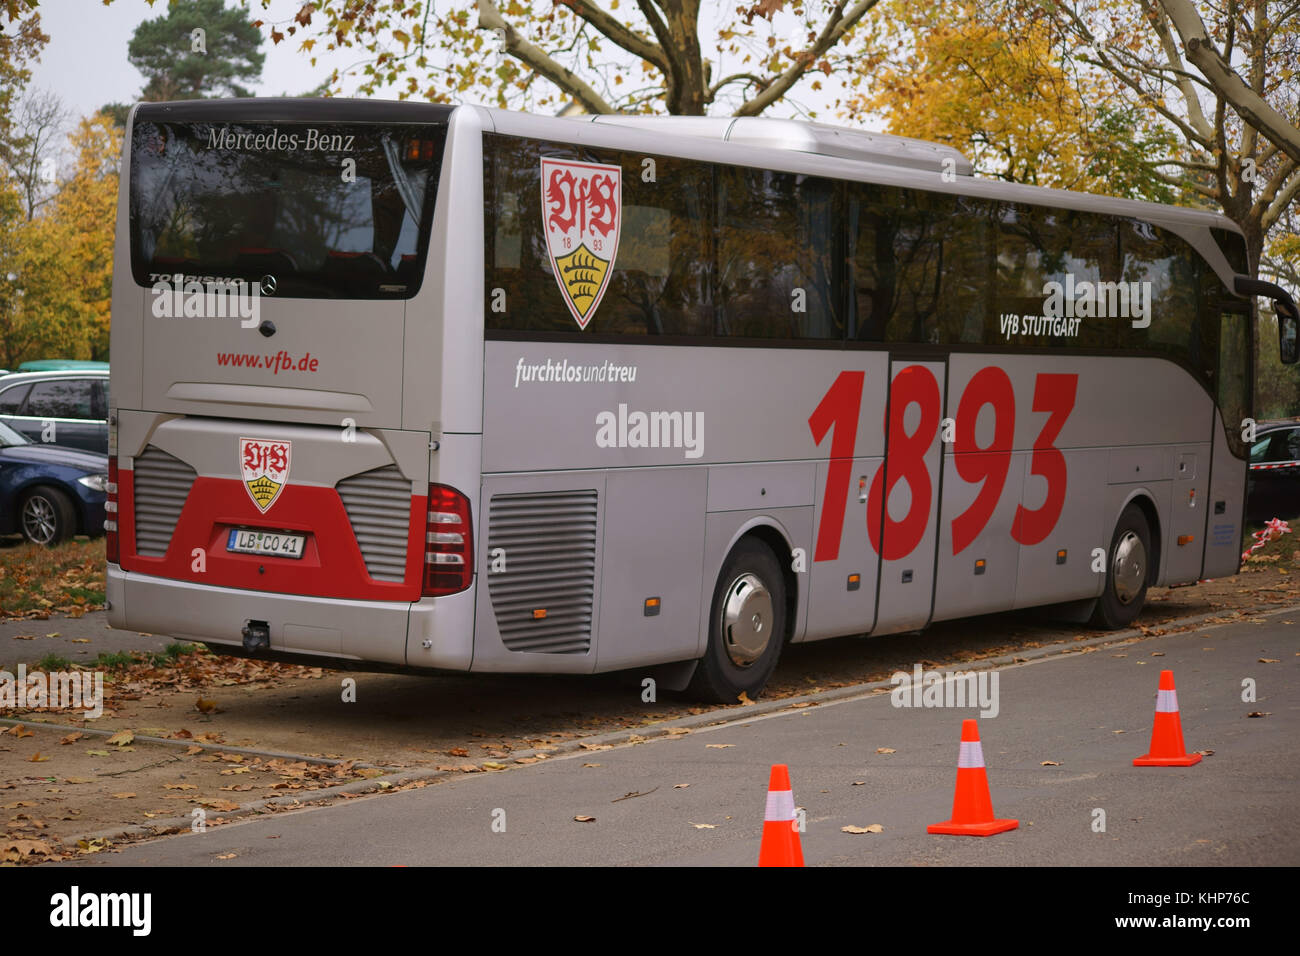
{"x": 1161, "y": 269}
{"x": 775, "y": 255}
{"x": 661, "y": 282}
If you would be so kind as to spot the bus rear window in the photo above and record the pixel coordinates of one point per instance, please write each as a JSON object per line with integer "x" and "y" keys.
{"x": 326, "y": 210}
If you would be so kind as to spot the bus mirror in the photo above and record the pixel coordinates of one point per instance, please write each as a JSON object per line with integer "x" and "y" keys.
{"x": 1288, "y": 321}
{"x": 1288, "y": 316}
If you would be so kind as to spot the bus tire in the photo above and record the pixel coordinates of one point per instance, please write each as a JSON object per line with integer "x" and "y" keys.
{"x": 1127, "y": 572}
{"x": 747, "y": 624}
{"x": 46, "y": 516}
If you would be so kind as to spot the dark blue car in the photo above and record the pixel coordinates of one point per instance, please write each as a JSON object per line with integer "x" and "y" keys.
{"x": 48, "y": 492}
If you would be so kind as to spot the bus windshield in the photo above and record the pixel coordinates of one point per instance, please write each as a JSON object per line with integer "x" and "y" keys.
{"x": 326, "y": 210}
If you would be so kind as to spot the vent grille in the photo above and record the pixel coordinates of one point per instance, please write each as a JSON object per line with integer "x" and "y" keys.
{"x": 378, "y": 504}
{"x": 162, "y": 483}
{"x": 550, "y": 549}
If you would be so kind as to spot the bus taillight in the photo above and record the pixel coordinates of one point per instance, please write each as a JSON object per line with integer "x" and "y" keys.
{"x": 449, "y": 545}
{"x": 110, "y": 513}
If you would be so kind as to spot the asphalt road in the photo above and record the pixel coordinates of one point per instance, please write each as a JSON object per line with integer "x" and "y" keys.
{"x": 79, "y": 639}
{"x": 1240, "y": 806}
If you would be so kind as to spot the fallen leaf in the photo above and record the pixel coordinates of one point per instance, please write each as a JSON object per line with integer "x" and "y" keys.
{"x": 75, "y": 780}
{"x": 1260, "y": 713}
{"x": 193, "y": 749}
{"x": 744, "y": 698}
{"x": 705, "y": 826}
{"x": 680, "y": 786}
{"x": 217, "y": 804}
{"x": 718, "y": 746}
{"x": 18, "y": 730}
{"x": 859, "y": 783}
{"x": 1050, "y": 763}
{"x": 886, "y": 750}
{"x": 873, "y": 828}
{"x": 122, "y": 796}
{"x": 458, "y": 752}
{"x": 205, "y": 706}
{"x": 226, "y": 856}
{"x": 72, "y": 737}
{"x": 584, "y": 819}
{"x": 591, "y": 765}
{"x": 24, "y": 637}
{"x": 1206, "y": 753}
{"x": 122, "y": 738}
{"x": 493, "y": 765}
{"x": 1157, "y": 653}
{"x": 596, "y": 746}
{"x": 81, "y": 640}
{"x": 37, "y": 758}
{"x": 1269, "y": 660}
{"x": 179, "y": 786}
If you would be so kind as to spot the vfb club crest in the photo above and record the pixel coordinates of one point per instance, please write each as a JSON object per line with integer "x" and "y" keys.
{"x": 582, "y": 209}
{"x": 265, "y": 469}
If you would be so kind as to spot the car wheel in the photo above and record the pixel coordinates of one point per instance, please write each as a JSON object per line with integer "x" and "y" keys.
{"x": 746, "y": 627}
{"x": 46, "y": 516}
{"x": 1127, "y": 572}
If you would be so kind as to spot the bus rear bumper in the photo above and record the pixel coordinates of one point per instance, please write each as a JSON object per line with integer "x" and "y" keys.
{"x": 318, "y": 627}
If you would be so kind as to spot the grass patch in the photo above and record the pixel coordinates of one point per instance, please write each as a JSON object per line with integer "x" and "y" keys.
{"x": 36, "y": 582}
{"x": 54, "y": 662}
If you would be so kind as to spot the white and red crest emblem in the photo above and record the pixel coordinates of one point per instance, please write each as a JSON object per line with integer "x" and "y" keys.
{"x": 264, "y": 466}
{"x": 582, "y": 212}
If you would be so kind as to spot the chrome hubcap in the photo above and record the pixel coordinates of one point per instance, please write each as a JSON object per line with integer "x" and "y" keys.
{"x": 38, "y": 520}
{"x": 746, "y": 619}
{"x": 1129, "y": 567}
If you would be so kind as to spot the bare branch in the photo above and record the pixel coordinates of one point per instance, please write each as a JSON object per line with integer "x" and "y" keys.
{"x": 489, "y": 18}
{"x": 839, "y": 23}
{"x": 1249, "y": 104}
{"x": 628, "y": 39}
{"x": 1194, "y": 114}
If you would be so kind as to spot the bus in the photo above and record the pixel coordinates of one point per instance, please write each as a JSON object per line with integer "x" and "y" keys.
{"x": 411, "y": 387}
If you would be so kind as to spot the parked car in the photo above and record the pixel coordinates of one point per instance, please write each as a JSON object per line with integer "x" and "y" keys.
{"x": 1273, "y": 484}
{"x": 62, "y": 365}
{"x": 49, "y": 492}
{"x": 61, "y": 407}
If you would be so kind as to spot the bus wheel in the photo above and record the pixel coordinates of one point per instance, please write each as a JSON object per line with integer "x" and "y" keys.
{"x": 1127, "y": 572}
{"x": 746, "y": 627}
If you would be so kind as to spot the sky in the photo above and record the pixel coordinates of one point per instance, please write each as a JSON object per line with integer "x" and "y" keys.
{"x": 85, "y": 61}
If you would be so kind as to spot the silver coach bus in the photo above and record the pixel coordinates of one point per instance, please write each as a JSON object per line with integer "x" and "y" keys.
{"x": 408, "y": 386}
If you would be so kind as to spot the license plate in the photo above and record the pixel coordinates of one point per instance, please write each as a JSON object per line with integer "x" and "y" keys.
{"x": 275, "y": 543}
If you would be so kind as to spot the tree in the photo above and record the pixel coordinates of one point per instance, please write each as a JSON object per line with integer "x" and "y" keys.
{"x": 551, "y": 52}
{"x": 989, "y": 79}
{"x": 21, "y": 41}
{"x": 61, "y": 261}
{"x": 199, "y": 48}
{"x": 1237, "y": 147}
{"x": 38, "y": 125}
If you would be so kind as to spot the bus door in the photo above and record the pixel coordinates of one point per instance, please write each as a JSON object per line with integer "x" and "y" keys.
{"x": 903, "y": 501}
{"x": 979, "y": 558}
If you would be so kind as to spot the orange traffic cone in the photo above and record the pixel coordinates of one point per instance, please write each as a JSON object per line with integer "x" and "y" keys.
{"x": 1167, "y": 748}
{"x": 780, "y": 846}
{"x": 972, "y": 808}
